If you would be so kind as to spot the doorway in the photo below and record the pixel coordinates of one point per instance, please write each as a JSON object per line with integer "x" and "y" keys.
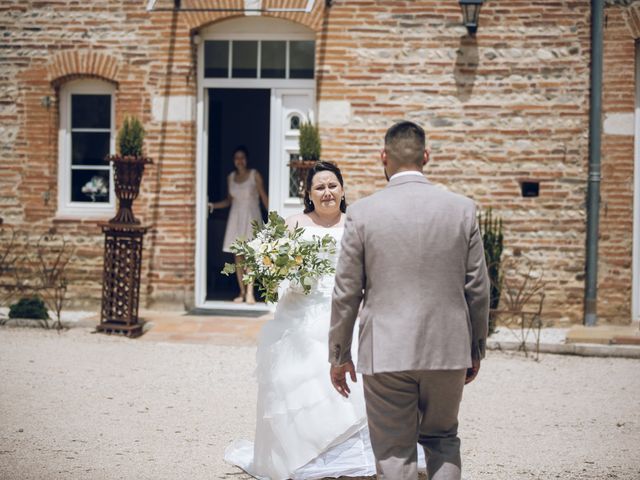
{"x": 235, "y": 117}
{"x": 255, "y": 86}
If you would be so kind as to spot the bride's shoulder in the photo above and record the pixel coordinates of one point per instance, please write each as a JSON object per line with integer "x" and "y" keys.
{"x": 298, "y": 220}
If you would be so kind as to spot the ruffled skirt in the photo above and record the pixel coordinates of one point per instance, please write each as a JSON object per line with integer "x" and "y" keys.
{"x": 304, "y": 428}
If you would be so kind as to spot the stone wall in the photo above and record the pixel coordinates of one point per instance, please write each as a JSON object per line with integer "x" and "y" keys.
{"x": 510, "y": 105}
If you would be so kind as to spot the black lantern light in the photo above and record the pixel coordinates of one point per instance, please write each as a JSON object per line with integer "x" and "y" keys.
{"x": 470, "y": 14}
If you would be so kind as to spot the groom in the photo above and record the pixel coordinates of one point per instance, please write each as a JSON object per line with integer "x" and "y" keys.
{"x": 413, "y": 256}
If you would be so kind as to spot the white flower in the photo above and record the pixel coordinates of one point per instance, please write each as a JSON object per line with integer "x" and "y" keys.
{"x": 255, "y": 243}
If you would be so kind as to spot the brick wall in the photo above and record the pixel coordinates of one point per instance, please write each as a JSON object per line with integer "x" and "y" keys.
{"x": 511, "y": 105}
{"x": 616, "y": 226}
{"x": 508, "y": 106}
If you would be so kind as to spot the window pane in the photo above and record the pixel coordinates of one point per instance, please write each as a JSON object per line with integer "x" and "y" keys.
{"x": 273, "y": 60}
{"x": 216, "y": 59}
{"x": 90, "y": 111}
{"x": 245, "y": 59}
{"x": 301, "y": 59}
{"x": 90, "y": 186}
{"x": 89, "y": 148}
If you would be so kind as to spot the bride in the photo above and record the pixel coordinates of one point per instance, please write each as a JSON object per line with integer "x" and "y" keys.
{"x": 305, "y": 430}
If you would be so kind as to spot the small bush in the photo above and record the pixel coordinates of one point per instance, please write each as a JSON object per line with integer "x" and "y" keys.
{"x": 130, "y": 137}
{"x": 493, "y": 240}
{"x": 32, "y": 307}
{"x": 310, "y": 148}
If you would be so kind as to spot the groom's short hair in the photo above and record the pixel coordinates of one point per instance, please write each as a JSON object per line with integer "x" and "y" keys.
{"x": 404, "y": 143}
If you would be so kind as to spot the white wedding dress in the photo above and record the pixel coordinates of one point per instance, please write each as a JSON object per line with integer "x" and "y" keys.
{"x": 304, "y": 428}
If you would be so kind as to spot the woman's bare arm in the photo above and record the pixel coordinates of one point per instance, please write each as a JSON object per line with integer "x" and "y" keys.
{"x": 226, "y": 203}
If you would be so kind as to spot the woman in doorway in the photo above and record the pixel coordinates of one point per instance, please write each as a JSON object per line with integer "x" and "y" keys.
{"x": 245, "y": 191}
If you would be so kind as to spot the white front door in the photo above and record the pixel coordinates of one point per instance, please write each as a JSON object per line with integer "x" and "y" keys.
{"x": 289, "y": 108}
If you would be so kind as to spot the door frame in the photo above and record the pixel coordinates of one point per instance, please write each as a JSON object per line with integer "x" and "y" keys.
{"x": 635, "y": 293}
{"x": 202, "y": 142}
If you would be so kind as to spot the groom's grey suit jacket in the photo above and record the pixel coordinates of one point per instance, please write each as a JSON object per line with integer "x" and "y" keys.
{"x": 412, "y": 254}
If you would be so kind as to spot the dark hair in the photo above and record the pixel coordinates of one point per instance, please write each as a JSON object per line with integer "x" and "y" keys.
{"x": 404, "y": 143}
{"x": 317, "y": 168}
{"x": 243, "y": 149}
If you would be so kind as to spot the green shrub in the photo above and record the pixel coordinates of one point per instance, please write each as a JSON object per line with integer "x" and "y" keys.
{"x": 493, "y": 240}
{"x": 130, "y": 137}
{"x": 32, "y": 308}
{"x": 310, "y": 148}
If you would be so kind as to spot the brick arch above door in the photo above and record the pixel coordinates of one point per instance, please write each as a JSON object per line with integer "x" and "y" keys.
{"x": 312, "y": 20}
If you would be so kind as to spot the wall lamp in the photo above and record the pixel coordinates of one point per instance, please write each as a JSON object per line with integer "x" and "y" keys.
{"x": 470, "y": 14}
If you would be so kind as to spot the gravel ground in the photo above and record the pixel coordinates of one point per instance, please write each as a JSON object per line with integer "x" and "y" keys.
{"x": 78, "y": 405}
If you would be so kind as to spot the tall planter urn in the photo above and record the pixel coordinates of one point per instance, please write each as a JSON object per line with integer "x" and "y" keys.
{"x": 127, "y": 172}
{"x": 123, "y": 239}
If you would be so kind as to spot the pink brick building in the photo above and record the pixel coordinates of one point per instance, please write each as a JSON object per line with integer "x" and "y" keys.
{"x": 508, "y": 106}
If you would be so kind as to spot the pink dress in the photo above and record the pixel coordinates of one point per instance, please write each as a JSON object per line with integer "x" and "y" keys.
{"x": 245, "y": 208}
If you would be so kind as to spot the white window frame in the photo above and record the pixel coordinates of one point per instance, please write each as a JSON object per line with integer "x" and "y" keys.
{"x": 259, "y": 41}
{"x": 66, "y": 207}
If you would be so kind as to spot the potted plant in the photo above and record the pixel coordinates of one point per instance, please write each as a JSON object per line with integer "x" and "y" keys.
{"x": 309, "y": 153}
{"x": 128, "y": 167}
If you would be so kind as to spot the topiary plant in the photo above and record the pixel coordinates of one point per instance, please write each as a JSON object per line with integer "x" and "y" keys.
{"x": 310, "y": 148}
{"x": 493, "y": 241}
{"x": 130, "y": 137}
{"x": 32, "y": 308}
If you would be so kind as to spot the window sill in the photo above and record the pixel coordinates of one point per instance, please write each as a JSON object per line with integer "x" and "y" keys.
{"x": 85, "y": 218}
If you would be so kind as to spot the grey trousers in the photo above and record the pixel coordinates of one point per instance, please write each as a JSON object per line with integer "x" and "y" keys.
{"x": 405, "y": 408}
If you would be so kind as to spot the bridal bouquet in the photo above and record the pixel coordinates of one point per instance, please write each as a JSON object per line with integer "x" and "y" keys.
{"x": 277, "y": 253}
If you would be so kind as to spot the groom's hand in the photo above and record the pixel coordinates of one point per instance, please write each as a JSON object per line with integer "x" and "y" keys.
{"x": 472, "y": 372}
{"x": 339, "y": 377}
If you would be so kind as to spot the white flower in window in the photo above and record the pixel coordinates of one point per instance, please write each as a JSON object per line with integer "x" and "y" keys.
{"x": 96, "y": 188}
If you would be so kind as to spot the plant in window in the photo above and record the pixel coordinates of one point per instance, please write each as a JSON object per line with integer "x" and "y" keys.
{"x": 128, "y": 168}
{"x": 309, "y": 139}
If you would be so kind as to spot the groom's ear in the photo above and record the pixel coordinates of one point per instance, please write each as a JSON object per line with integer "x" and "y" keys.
{"x": 427, "y": 154}
{"x": 383, "y": 157}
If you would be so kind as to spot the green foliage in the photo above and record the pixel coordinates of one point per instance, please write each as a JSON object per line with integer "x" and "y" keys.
{"x": 32, "y": 308}
{"x": 130, "y": 137}
{"x": 493, "y": 240}
{"x": 310, "y": 147}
